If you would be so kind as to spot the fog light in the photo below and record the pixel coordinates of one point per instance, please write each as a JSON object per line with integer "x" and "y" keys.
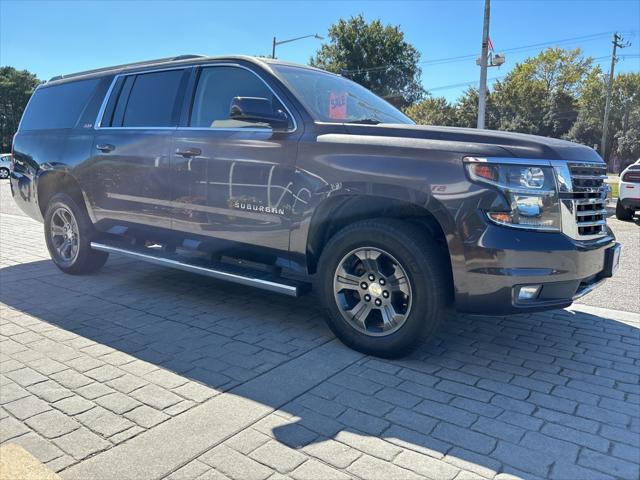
{"x": 528, "y": 292}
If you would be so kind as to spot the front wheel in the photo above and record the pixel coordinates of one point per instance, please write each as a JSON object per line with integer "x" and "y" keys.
{"x": 623, "y": 213}
{"x": 68, "y": 233}
{"x": 384, "y": 283}
{"x": 4, "y": 173}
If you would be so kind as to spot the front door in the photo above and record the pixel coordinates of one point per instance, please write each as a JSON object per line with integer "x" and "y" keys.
{"x": 130, "y": 170}
{"x": 234, "y": 179}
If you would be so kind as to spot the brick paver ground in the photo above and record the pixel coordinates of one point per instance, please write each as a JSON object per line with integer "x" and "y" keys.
{"x": 103, "y": 368}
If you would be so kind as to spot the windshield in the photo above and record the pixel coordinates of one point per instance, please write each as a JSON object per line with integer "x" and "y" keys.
{"x": 331, "y": 98}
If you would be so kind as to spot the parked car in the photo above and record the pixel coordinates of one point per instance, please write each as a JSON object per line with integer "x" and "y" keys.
{"x": 5, "y": 165}
{"x": 278, "y": 176}
{"x": 629, "y": 192}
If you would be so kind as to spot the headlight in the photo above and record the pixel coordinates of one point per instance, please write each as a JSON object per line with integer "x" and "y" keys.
{"x": 530, "y": 190}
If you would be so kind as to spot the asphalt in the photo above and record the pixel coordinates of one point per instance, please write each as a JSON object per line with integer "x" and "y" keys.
{"x": 618, "y": 293}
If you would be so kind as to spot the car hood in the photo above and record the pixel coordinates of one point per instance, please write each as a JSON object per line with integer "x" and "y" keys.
{"x": 490, "y": 141}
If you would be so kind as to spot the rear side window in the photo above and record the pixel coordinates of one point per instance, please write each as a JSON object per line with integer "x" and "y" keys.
{"x": 149, "y": 100}
{"x": 58, "y": 106}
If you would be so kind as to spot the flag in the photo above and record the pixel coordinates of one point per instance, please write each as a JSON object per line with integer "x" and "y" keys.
{"x": 490, "y": 44}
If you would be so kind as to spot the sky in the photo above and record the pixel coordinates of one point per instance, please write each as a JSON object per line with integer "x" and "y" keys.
{"x": 55, "y": 37}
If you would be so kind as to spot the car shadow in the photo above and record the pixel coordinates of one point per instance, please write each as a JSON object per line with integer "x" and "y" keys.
{"x": 523, "y": 394}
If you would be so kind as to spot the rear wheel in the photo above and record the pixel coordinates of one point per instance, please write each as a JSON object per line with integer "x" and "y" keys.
{"x": 68, "y": 233}
{"x": 4, "y": 173}
{"x": 623, "y": 213}
{"x": 384, "y": 284}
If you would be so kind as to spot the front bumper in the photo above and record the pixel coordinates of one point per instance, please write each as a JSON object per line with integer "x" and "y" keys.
{"x": 502, "y": 260}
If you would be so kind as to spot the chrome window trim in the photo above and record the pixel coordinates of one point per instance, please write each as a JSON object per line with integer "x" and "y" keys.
{"x": 98, "y": 123}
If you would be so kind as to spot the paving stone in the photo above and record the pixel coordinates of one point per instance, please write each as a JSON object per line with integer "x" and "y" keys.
{"x": 425, "y": 465}
{"x": 146, "y": 416}
{"x": 10, "y": 428}
{"x": 314, "y": 470}
{"x": 524, "y": 459}
{"x": 412, "y": 440}
{"x": 363, "y": 403}
{"x": 26, "y": 407}
{"x": 37, "y": 446}
{"x": 25, "y": 376}
{"x": 71, "y": 379}
{"x": 234, "y": 464}
{"x": 247, "y": 441}
{"x": 363, "y": 422}
{"x": 498, "y": 429}
{"x": 412, "y": 420}
{"x": 81, "y": 443}
{"x": 482, "y": 465}
{"x": 278, "y": 456}
{"x": 156, "y": 397}
{"x": 608, "y": 464}
{"x": 463, "y": 437}
{"x": 190, "y": 471}
{"x": 117, "y": 402}
{"x": 103, "y": 421}
{"x": 84, "y": 363}
{"x": 11, "y": 392}
{"x": 374, "y": 469}
{"x": 61, "y": 463}
{"x": 94, "y": 390}
{"x": 196, "y": 392}
{"x": 333, "y": 452}
{"x": 594, "y": 442}
{"x": 371, "y": 445}
{"x": 446, "y": 412}
{"x": 50, "y": 391}
{"x": 104, "y": 373}
{"x": 603, "y": 415}
{"x": 165, "y": 379}
{"x": 52, "y": 424}
{"x": 126, "y": 434}
{"x": 570, "y": 471}
{"x": 552, "y": 447}
{"x": 74, "y": 405}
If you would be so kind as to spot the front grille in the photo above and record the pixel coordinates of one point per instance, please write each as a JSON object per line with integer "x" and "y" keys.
{"x": 589, "y": 197}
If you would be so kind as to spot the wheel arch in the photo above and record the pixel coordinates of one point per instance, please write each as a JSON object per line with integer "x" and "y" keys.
{"x": 336, "y": 212}
{"x": 51, "y": 182}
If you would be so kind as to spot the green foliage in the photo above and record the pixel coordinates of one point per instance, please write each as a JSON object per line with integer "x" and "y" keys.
{"x": 16, "y": 88}
{"x": 374, "y": 55}
{"x": 432, "y": 111}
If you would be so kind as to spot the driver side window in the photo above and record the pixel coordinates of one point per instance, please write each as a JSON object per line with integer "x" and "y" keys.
{"x": 217, "y": 87}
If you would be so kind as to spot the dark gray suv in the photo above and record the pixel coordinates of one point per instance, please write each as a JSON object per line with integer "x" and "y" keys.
{"x": 279, "y": 176}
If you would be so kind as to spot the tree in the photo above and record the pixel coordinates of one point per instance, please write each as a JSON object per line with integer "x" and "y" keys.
{"x": 540, "y": 95}
{"x": 467, "y": 110}
{"x": 16, "y": 88}
{"x": 623, "y": 117}
{"x": 432, "y": 111}
{"x": 375, "y": 56}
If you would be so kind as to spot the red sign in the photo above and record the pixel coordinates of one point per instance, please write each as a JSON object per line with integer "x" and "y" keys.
{"x": 338, "y": 105}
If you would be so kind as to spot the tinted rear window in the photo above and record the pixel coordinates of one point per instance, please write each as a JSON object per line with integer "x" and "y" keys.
{"x": 152, "y": 101}
{"x": 58, "y": 106}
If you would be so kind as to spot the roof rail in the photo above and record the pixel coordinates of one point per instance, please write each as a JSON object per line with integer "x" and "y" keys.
{"x": 126, "y": 65}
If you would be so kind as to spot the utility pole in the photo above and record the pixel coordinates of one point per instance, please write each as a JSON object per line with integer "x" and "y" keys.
{"x": 482, "y": 99}
{"x": 617, "y": 43}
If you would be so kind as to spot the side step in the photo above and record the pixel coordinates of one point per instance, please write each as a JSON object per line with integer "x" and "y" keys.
{"x": 229, "y": 273}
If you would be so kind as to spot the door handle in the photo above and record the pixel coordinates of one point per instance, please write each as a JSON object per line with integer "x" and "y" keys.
{"x": 106, "y": 147}
{"x": 188, "y": 152}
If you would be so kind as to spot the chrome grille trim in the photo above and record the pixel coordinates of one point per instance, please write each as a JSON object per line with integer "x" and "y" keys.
{"x": 583, "y": 199}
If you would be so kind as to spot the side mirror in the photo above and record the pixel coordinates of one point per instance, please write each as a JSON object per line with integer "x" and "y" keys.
{"x": 258, "y": 110}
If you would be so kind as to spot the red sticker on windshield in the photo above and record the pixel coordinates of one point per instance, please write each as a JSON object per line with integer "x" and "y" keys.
{"x": 338, "y": 105}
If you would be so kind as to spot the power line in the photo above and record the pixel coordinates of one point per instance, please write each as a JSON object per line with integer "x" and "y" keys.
{"x": 459, "y": 58}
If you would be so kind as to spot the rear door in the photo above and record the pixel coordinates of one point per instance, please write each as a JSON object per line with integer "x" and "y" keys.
{"x": 130, "y": 169}
{"x": 234, "y": 179}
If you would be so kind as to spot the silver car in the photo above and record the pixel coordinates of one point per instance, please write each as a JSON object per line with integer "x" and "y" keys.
{"x": 5, "y": 164}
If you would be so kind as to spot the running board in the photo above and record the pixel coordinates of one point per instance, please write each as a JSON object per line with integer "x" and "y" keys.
{"x": 240, "y": 276}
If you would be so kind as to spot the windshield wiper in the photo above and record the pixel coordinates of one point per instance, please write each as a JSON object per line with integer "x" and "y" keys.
{"x": 366, "y": 121}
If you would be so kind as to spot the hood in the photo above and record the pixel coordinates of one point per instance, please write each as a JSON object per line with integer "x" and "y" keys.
{"x": 512, "y": 144}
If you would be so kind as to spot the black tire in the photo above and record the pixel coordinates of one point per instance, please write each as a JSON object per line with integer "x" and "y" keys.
{"x": 4, "y": 173}
{"x": 623, "y": 213}
{"x": 427, "y": 269}
{"x": 83, "y": 259}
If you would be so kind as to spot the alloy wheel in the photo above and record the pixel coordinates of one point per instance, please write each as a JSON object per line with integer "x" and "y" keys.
{"x": 372, "y": 291}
